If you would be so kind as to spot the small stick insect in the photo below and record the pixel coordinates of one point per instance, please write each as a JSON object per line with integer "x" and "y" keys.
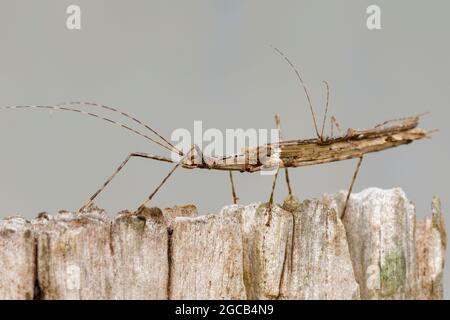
{"x": 354, "y": 144}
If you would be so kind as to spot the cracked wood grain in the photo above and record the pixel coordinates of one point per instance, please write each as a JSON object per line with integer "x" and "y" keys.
{"x": 380, "y": 250}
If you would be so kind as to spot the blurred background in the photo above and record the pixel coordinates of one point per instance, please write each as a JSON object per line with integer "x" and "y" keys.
{"x": 170, "y": 63}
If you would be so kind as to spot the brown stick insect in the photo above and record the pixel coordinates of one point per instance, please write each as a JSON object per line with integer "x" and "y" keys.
{"x": 354, "y": 144}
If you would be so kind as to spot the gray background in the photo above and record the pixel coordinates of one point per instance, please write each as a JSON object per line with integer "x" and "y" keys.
{"x": 173, "y": 62}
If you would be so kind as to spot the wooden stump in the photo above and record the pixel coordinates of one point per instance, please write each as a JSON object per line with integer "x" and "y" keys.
{"x": 74, "y": 256}
{"x": 431, "y": 240}
{"x": 206, "y": 258}
{"x": 321, "y": 261}
{"x": 140, "y": 244}
{"x": 300, "y": 250}
{"x": 17, "y": 259}
{"x": 390, "y": 251}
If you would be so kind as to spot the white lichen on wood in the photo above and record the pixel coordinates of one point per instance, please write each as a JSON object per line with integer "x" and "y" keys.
{"x": 302, "y": 250}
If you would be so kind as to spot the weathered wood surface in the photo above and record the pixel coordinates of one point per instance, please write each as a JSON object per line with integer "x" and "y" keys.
{"x": 206, "y": 258}
{"x": 392, "y": 254}
{"x": 140, "y": 244}
{"x": 321, "y": 262}
{"x": 17, "y": 259}
{"x": 74, "y": 256}
{"x": 303, "y": 251}
{"x": 302, "y": 254}
{"x": 431, "y": 239}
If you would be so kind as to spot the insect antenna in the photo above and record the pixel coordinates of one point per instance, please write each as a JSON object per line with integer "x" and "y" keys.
{"x": 58, "y": 108}
{"x": 400, "y": 119}
{"x": 334, "y": 123}
{"x": 326, "y": 109}
{"x": 92, "y": 104}
{"x": 303, "y": 86}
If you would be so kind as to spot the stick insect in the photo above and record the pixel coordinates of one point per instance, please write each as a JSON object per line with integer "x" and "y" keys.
{"x": 284, "y": 154}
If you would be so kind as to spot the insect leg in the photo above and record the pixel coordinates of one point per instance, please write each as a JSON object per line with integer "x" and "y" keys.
{"x": 122, "y": 165}
{"x": 150, "y": 197}
{"x": 271, "y": 196}
{"x": 286, "y": 171}
{"x": 204, "y": 162}
{"x": 233, "y": 190}
{"x": 288, "y": 182}
{"x": 358, "y": 165}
